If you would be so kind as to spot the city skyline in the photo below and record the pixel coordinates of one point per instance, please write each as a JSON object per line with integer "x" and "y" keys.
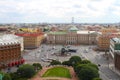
{"x": 59, "y": 11}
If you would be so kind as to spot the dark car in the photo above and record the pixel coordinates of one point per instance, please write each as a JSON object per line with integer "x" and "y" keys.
{"x": 72, "y": 50}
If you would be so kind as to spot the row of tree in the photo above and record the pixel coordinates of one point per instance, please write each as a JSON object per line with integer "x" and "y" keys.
{"x": 84, "y": 69}
{"x": 24, "y": 72}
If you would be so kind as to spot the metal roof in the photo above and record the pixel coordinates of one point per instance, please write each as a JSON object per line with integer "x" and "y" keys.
{"x": 85, "y": 32}
{"x": 117, "y": 40}
{"x": 9, "y": 39}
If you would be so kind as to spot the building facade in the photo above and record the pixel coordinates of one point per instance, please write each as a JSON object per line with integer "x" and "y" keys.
{"x": 114, "y": 46}
{"x": 103, "y": 39}
{"x": 31, "y": 40}
{"x": 10, "y": 54}
{"x": 76, "y": 38}
{"x": 117, "y": 61}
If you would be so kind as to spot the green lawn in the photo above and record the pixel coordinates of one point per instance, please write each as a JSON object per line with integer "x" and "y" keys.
{"x": 57, "y": 72}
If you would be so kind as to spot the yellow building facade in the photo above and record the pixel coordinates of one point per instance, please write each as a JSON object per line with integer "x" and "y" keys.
{"x": 103, "y": 40}
{"x": 31, "y": 40}
{"x": 29, "y": 29}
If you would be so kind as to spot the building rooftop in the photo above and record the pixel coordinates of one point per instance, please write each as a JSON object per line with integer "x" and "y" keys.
{"x": 73, "y": 28}
{"x": 57, "y": 32}
{"x": 28, "y": 34}
{"x": 85, "y": 32}
{"x": 117, "y": 40}
{"x": 9, "y": 39}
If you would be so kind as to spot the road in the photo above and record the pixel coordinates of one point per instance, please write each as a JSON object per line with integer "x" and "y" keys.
{"x": 45, "y": 52}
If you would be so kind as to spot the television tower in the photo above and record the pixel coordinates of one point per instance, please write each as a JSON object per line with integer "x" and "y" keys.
{"x": 72, "y": 20}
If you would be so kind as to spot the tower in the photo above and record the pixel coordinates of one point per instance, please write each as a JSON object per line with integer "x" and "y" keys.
{"x": 72, "y": 20}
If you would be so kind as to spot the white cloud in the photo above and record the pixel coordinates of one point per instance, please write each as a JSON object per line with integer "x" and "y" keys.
{"x": 57, "y": 8}
{"x": 116, "y": 10}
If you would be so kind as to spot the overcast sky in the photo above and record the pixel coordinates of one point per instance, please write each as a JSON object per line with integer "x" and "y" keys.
{"x": 59, "y": 11}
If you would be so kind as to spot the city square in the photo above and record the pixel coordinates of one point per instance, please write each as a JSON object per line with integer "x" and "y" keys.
{"x": 44, "y": 53}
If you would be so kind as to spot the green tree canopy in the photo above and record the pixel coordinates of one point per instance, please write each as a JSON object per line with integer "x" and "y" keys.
{"x": 37, "y": 66}
{"x": 14, "y": 76}
{"x": 97, "y": 79}
{"x": 7, "y": 77}
{"x": 22, "y": 79}
{"x": 79, "y": 67}
{"x": 74, "y": 60}
{"x": 88, "y": 73}
{"x": 26, "y": 71}
{"x": 85, "y": 62}
{"x": 93, "y": 65}
{"x": 55, "y": 62}
{"x": 66, "y": 63}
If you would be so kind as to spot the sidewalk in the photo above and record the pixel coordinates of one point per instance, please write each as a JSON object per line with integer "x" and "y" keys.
{"x": 112, "y": 67}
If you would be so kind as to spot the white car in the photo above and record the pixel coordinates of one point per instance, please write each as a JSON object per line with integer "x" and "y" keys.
{"x": 45, "y": 60}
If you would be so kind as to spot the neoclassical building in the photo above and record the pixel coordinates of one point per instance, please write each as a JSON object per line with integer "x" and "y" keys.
{"x": 76, "y": 38}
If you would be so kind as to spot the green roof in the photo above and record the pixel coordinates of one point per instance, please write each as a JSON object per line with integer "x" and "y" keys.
{"x": 57, "y": 33}
{"x": 117, "y": 46}
{"x": 73, "y": 28}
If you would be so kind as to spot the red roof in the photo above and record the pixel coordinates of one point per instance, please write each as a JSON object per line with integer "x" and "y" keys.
{"x": 28, "y": 34}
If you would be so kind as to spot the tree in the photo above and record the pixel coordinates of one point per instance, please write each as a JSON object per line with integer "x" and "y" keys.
{"x": 88, "y": 73}
{"x": 22, "y": 79}
{"x": 97, "y": 79}
{"x": 54, "y": 62}
{"x": 85, "y": 62}
{"x": 37, "y": 66}
{"x": 6, "y": 77}
{"x": 66, "y": 63}
{"x": 93, "y": 65}
{"x": 26, "y": 71}
{"x": 74, "y": 60}
{"x": 79, "y": 67}
{"x": 14, "y": 76}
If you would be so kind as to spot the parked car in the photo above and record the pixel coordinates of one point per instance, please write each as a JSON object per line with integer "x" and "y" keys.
{"x": 72, "y": 50}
